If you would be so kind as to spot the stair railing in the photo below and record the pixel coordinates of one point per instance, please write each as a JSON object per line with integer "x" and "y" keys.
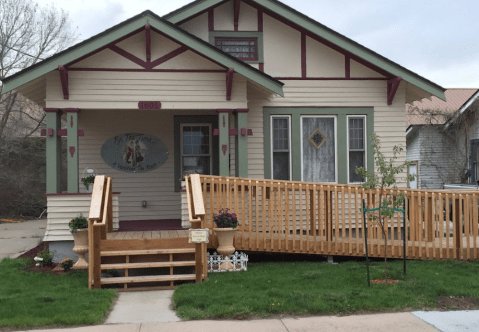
{"x": 196, "y": 214}
{"x": 100, "y": 222}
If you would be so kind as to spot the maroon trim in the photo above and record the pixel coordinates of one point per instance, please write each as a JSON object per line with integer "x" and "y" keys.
{"x": 237, "y": 7}
{"x": 50, "y": 132}
{"x": 216, "y": 132}
{"x": 152, "y": 70}
{"x": 167, "y": 57}
{"x": 201, "y": 13}
{"x": 211, "y": 19}
{"x": 233, "y": 132}
{"x": 224, "y": 148}
{"x": 64, "y": 80}
{"x": 72, "y": 150}
{"x": 393, "y": 85}
{"x": 72, "y": 110}
{"x": 331, "y": 79}
{"x": 62, "y": 132}
{"x": 260, "y": 19}
{"x": 242, "y": 110}
{"x": 303, "y": 55}
{"x": 243, "y": 131}
{"x": 347, "y": 66}
{"x": 128, "y": 56}
{"x": 43, "y": 132}
{"x": 81, "y": 132}
{"x": 250, "y": 132}
{"x": 71, "y": 121}
{"x": 76, "y": 194}
{"x": 229, "y": 83}
{"x": 224, "y": 110}
{"x": 50, "y": 110}
{"x": 148, "y": 42}
{"x": 261, "y": 67}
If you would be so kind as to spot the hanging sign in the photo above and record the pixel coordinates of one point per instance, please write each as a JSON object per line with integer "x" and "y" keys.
{"x": 198, "y": 235}
{"x": 134, "y": 153}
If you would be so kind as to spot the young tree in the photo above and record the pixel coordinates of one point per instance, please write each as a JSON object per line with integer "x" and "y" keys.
{"x": 28, "y": 34}
{"x": 385, "y": 177}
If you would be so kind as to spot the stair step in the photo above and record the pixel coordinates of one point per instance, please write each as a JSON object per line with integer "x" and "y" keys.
{"x": 148, "y": 252}
{"x": 145, "y": 265}
{"x": 129, "y": 280}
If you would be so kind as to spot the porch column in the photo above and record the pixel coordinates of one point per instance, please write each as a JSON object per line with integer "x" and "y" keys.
{"x": 72, "y": 149}
{"x": 53, "y": 149}
{"x": 223, "y": 128}
{"x": 241, "y": 159}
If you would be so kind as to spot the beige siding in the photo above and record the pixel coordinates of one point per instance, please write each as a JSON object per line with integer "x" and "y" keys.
{"x": 189, "y": 61}
{"x": 107, "y": 59}
{"x": 136, "y": 44}
{"x": 224, "y": 20}
{"x": 359, "y": 70}
{"x": 62, "y": 208}
{"x": 323, "y": 61}
{"x": 123, "y": 90}
{"x": 248, "y": 19}
{"x": 198, "y": 26}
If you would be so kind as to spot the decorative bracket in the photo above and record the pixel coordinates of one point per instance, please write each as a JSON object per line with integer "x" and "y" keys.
{"x": 237, "y": 6}
{"x": 148, "y": 42}
{"x": 393, "y": 85}
{"x": 229, "y": 83}
{"x": 64, "y": 80}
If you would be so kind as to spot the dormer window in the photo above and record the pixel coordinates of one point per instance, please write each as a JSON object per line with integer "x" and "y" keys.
{"x": 245, "y": 49}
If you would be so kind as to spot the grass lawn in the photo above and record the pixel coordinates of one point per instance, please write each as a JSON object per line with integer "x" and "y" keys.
{"x": 30, "y": 299}
{"x": 319, "y": 288}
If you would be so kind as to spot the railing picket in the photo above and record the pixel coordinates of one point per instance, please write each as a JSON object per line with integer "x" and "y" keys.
{"x": 441, "y": 226}
{"x": 466, "y": 225}
{"x": 307, "y": 202}
{"x": 350, "y": 222}
{"x": 243, "y": 213}
{"x": 336, "y": 219}
{"x": 321, "y": 217}
{"x": 448, "y": 225}
{"x": 433, "y": 224}
{"x": 293, "y": 214}
{"x": 474, "y": 224}
{"x": 281, "y": 215}
{"x": 314, "y": 218}
{"x": 257, "y": 219}
{"x": 357, "y": 221}
{"x": 286, "y": 215}
{"x": 301, "y": 217}
{"x": 263, "y": 215}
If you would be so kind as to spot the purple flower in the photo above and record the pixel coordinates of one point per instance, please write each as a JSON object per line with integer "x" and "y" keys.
{"x": 233, "y": 215}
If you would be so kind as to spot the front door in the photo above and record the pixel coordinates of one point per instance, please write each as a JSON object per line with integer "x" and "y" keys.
{"x": 318, "y": 149}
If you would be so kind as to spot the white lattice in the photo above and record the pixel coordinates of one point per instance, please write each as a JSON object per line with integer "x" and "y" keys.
{"x": 234, "y": 262}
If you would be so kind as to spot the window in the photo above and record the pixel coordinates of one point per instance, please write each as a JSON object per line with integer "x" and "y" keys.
{"x": 196, "y": 149}
{"x": 356, "y": 146}
{"x": 281, "y": 150}
{"x": 245, "y": 49}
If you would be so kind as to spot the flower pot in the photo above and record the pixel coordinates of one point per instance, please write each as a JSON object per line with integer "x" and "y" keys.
{"x": 81, "y": 248}
{"x": 225, "y": 241}
{"x": 89, "y": 187}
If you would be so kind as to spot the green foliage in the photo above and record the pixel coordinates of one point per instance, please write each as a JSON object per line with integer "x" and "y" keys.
{"x": 77, "y": 223}
{"x": 87, "y": 180}
{"x": 46, "y": 257}
{"x": 314, "y": 288}
{"x": 67, "y": 264}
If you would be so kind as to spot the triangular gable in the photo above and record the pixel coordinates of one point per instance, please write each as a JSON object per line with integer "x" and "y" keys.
{"x": 132, "y": 27}
{"x": 358, "y": 53}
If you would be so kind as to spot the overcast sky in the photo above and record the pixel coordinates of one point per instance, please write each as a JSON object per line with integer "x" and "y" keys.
{"x": 437, "y": 39}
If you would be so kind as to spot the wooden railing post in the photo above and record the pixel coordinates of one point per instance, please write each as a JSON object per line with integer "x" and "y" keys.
{"x": 457, "y": 226}
{"x": 196, "y": 208}
{"x": 428, "y": 219}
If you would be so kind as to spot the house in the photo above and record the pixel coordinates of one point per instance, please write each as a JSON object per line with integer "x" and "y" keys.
{"x": 440, "y": 137}
{"x": 247, "y": 88}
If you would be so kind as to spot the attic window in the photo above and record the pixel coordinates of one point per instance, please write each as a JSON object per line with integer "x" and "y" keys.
{"x": 245, "y": 49}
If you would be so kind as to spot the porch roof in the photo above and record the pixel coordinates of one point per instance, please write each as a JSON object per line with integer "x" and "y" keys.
{"x": 328, "y": 35}
{"x": 132, "y": 25}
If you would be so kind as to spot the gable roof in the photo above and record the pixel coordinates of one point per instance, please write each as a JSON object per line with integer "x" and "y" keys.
{"x": 331, "y": 36}
{"x": 129, "y": 26}
{"x": 455, "y": 99}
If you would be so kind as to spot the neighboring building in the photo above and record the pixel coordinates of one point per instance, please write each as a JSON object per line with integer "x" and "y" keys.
{"x": 439, "y": 137}
{"x": 247, "y": 88}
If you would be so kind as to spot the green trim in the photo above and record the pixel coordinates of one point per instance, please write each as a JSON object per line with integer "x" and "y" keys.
{"x": 342, "y": 146}
{"x": 331, "y": 36}
{"x": 224, "y": 157}
{"x": 53, "y": 153}
{"x": 179, "y": 119}
{"x": 241, "y": 169}
{"x": 241, "y": 34}
{"x": 191, "y": 10}
{"x": 72, "y": 161}
{"x": 125, "y": 28}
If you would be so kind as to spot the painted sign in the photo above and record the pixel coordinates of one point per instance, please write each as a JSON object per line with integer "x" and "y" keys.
{"x": 134, "y": 153}
{"x": 198, "y": 235}
{"x": 149, "y": 105}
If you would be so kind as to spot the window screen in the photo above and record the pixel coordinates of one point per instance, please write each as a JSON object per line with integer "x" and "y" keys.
{"x": 281, "y": 148}
{"x": 242, "y": 48}
{"x": 357, "y": 147}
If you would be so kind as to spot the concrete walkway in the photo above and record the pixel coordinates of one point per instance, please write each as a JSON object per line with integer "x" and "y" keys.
{"x": 18, "y": 238}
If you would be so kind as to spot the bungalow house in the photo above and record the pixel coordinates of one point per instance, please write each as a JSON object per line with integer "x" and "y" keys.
{"x": 441, "y": 139}
{"x": 246, "y": 88}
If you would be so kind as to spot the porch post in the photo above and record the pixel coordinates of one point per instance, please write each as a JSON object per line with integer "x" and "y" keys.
{"x": 53, "y": 149}
{"x": 72, "y": 149}
{"x": 224, "y": 156}
{"x": 241, "y": 159}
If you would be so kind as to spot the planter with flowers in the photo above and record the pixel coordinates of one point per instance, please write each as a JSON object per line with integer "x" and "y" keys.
{"x": 79, "y": 228}
{"x": 88, "y": 182}
{"x": 226, "y": 224}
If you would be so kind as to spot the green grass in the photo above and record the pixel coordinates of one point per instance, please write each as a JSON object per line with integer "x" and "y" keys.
{"x": 320, "y": 288}
{"x": 30, "y": 299}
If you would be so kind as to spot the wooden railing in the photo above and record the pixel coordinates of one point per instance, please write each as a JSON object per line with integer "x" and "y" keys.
{"x": 326, "y": 219}
{"x": 100, "y": 222}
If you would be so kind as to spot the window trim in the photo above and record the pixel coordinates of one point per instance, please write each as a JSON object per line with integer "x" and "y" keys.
{"x": 241, "y": 34}
{"x": 365, "y": 142}
{"x": 182, "y": 125}
{"x": 335, "y": 117}
{"x": 416, "y": 163}
{"x": 289, "y": 143}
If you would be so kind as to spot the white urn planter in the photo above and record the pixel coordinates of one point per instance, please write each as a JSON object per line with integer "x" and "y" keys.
{"x": 225, "y": 247}
{"x": 81, "y": 248}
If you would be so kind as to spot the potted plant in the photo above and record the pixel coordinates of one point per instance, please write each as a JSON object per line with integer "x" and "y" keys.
{"x": 88, "y": 182}
{"x": 226, "y": 224}
{"x": 79, "y": 229}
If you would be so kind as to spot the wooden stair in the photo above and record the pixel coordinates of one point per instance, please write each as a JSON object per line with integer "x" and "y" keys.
{"x": 148, "y": 269}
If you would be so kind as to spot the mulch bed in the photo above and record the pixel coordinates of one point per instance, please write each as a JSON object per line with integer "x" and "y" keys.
{"x": 383, "y": 281}
{"x": 457, "y": 303}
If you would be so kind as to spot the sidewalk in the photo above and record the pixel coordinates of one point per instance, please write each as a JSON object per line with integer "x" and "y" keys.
{"x": 17, "y": 238}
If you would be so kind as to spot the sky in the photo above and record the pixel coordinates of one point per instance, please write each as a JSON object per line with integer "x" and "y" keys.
{"x": 437, "y": 39}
